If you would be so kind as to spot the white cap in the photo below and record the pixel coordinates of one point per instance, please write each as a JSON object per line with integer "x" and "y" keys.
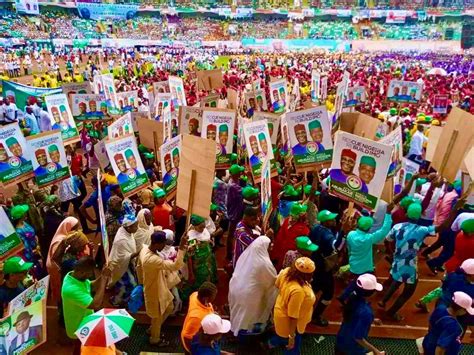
{"x": 169, "y": 235}
{"x": 463, "y": 300}
{"x": 468, "y": 266}
{"x": 128, "y": 220}
{"x": 213, "y": 324}
{"x": 369, "y": 282}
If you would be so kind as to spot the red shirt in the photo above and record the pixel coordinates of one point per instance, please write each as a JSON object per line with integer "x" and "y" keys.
{"x": 463, "y": 250}
{"x": 76, "y": 164}
{"x": 286, "y": 239}
{"x": 162, "y": 216}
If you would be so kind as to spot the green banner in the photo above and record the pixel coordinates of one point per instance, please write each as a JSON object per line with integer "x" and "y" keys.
{"x": 20, "y": 93}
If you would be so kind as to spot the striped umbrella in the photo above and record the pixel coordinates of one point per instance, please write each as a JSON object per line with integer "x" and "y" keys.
{"x": 437, "y": 71}
{"x": 105, "y": 327}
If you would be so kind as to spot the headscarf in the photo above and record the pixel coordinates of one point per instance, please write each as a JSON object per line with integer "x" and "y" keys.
{"x": 144, "y": 232}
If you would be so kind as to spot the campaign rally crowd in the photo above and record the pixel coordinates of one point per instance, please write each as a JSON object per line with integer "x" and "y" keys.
{"x": 288, "y": 240}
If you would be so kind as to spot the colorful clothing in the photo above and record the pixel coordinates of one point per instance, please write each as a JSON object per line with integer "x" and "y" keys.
{"x": 285, "y": 239}
{"x": 27, "y": 235}
{"x": 290, "y": 258}
{"x": 244, "y": 236}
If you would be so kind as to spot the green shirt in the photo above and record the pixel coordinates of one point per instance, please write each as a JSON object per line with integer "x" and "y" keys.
{"x": 76, "y": 297}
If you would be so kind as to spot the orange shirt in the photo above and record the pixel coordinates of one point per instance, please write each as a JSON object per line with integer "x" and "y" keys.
{"x": 192, "y": 323}
{"x": 97, "y": 350}
{"x": 162, "y": 216}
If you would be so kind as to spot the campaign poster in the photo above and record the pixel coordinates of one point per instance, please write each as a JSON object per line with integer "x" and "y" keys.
{"x": 177, "y": 91}
{"x": 161, "y": 87}
{"x": 109, "y": 90}
{"x": 250, "y": 102}
{"x": 70, "y": 89}
{"x": 121, "y": 127}
{"x": 15, "y": 158}
{"x": 285, "y": 137}
{"x": 315, "y": 85}
{"x": 89, "y": 107}
{"x": 256, "y": 85}
{"x": 29, "y": 7}
{"x": 36, "y": 292}
{"x": 259, "y": 145}
{"x": 169, "y": 158}
{"x": 261, "y": 100}
{"x": 162, "y": 101}
{"x": 169, "y": 124}
{"x": 218, "y": 125}
{"x": 211, "y": 101}
{"x": 310, "y": 138}
{"x": 128, "y": 100}
{"x": 279, "y": 92}
{"x": 362, "y": 185}
{"x": 273, "y": 122}
{"x": 10, "y": 242}
{"x": 127, "y": 165}
{"x": 404, "y": 91}
{"x": 266, "y": 190}
{"x": 61, "y": 117}
{"x": 440, "y": 104}
{"x": 50, "y": 163}
{"x": 101, "y": 153}
{"x": 410, "y": 168}
{"x": 98, "y": 83}
{"x": 190, "y": 120}
{"x": 339, "y": 100}
{"x": 355, "y": 96}
{"x": 102, "y": 221}
{"x": 136, "y": 115}
{"x": 394, "y": 139}
{"x": 324, "y": 87}
{"x": 24, "y": 330}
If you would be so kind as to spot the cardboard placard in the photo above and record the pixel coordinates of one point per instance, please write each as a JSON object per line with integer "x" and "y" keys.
{"x": 36, "y": 292}
{"x": 146, "y": 130}
{"x": 209, "y": 79}
{"x": 121, "y": 127}
{"x": 89, "y": 107}
{"x": 469, "y": 162}
{"x": 232, "y": 99}
{"x": 10, "y": 242}
{"x": 197, "y": 154}
{"x": 61, "y": 117}
{"x": 394, "y": 139}
{"x": 259, "y": 146}
{"x": 457, "y": 137}
{"x": 169, "y": 161}
{"x": 433, "y": 139}
{"x": 273, "y": 121}
{"x": 404, "y": 91}
{"x": 359, "y": 124}
{"x": 70, "y": 89}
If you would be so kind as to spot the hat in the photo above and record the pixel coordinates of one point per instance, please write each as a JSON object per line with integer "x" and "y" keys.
{"x": 40, "y": 151}
{"x": 435, "y": 123}
{"x": 326, "y": 215}
{"x": 305, "y": 265}
{"x": 213, "y": 207}
{"x": 314, "y": 125}
{"x": 197, "y": 220}
{"x": 19, "y": 211}
{"x": 233, "y": 157}
{"x": 304, "y": 243}
{"x": 158, "y": 237}
{"x": 463, "y": 300}
{"x": 143, "y": 149}
{"x": 467, "y": 226}
{"x": 406, "y": 202}
{"x": 159, "y": 193}
{"x": 289, "y": 191}
{"x": 22, "y": 316}
{"x": 128, "y": 153}
{"x": 53, "y": 148}
{"x": 169, "y": 235}
{"x": 149, "y": 155}
{"x": 128, "y": 220}
{"x": 393, "y": 111}
{"x": 213, "y": 324}
{"x": 420, "y": 182}
{"x": 175, "y": 152}
{"x": 10, "y": 141}
{"x": 299, "y": 127}
{"x": 15, "y": 265}
{"x": 236, "y": 169}
{"x": 468, "y": 266}
{"x": 307, "y": 190}
{"x": 348, "y": 153}
{"x": 118, "y": 157}
{"x": 223, "y": 128}
{"x": 211, "y": 127}
{"x": 414, "y": 211}
{"x": 252, "y": 139}
{"x": 249, "y": 192}
{"x": 365, "y": 223}
{"x": 369, "y": 282}
{"x": 368, "y": 160}
{"x": 297, "y": 209}
{"x": 167, "y": 157}
{"x": 194, "y": 121}
{"x": 261, "y": 136}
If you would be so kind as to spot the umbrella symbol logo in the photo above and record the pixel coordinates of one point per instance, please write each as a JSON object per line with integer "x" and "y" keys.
{"x": 85, "y": 331}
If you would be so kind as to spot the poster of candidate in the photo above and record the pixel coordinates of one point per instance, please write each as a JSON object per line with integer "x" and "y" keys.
{"x": 177, "y": 91}
{"x": 190, "y": 120}
{"x": 211, "y": 101}
{"x": 258, "y": 144}
{"x": 162, "y": 101}
{"x": 279, "y": 92}
{"x": 15, "y": 158}
{"x": 359, "y": 169}
{"x": 266, "y": 189}
{"x": 285, "y": 137}
{"x": 101, "y": 153}
{"x": 404, "y": 91}
{"x": 310, "y": 138}
{"x": 128, "y": 101}
{"x": 394, "y": 139}
{"x": 89, "y": 107}
{"x": 70, "y": 89}
{"x": 324, "y": 88}
{"x": 61, "y": 117}
{"x": 30, "y": 7}
{"x": 315, "y": 85}
{"x": 102, "y": 220}
{"x": 24, "y": 330}
{"x": 127, "y": 165}
{"x": 121, "y": 127}
{"x": 98, "y": 84}
{"x": 218, "y": 125}
{"x": 109, "y": 90}
{"x": 440, "y": 104}
{"x": 161, "y": 87}
{"x": 273, "y": 121}
{"x": 261, "y": 100}
{"x": 36, "y": 292}
{"x": 169, "y": 158}
{"x": 50, "y": 162}
{"x": 355, "y": 96}
{"x": 10, "y": 242}
{"x": 170, "y": 124}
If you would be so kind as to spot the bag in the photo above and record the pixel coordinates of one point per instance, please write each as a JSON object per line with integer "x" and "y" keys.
{"x": 331, "y": 262}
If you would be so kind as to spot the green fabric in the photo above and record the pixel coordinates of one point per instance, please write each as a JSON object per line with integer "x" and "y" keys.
{"x": 326, "y": 215}
{"x": 468, "y": 226}
{"x": 15, "y": 265}
{"x": 420, "y": 182}
{"x": 76, "y": 297}
{"x": 236, "y": 169}
{"x": 249, "y": 192}
{"x": 365, "y": 223}
{"x": 53, "y": 148}
{"x": 406, "y": 201}
{"x": 18, "y": 211}
{"x": 431, "y": 296}
{"x": 197, "y": 220}
{"x": 298, "y": 209}
{"x": 368, "y": 160}
{"x": 304, "y": 243}
{"x": 414, "y": 211}
{"x": 314, "y": 124}
{"x": 159, "y": 193}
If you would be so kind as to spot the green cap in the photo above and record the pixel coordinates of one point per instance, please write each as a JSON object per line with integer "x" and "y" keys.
{"x": 326, "y": 215}
{"x": 406, "y": 109}
{"x": 223, "y": 128}
{"x": 307, "y": 190}
{"x": 197, "y": 220}
{"x": 249, "y": 192}
{"x": 467, "y": 226}
{"x": 142, "y": 149}
{"x": 128, "y": 153}
{"x": 365, "y": 223}
{"x": 457, "y": 184}
{"x": 406, "y": 201}
{"x": 289, "y": 191}
{"x": 233, "y": 157}
{"x": 175, "y": 152}
{"x": 420, "y": 182}
{"x": 393, "y": 111}
{"x": 149, "y": 155}
{"x": 428, "y": 118}
{"x": 62, "y": 108}
{"x": 213, "y": 207}
{"x": 236, "y": 169}
{"x": 368, "y": 160}
{"x": 297, "y": 209}
{"x": 19, "y": 211}
{"x": 53, "y": 148}
{"x": 159, "y": 193}
{"x": 304, "y": 243}
{"x": 15, "y": 265}
{"x": 314, "y": 125}
{"x": 261, "y": 136}
{"x": 244, "y": 178}
{"x": 10, "y": 141}
{"x": 414, "y": 211}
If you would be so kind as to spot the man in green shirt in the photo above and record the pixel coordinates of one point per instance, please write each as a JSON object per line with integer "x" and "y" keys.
{"x": 76, "y": 293}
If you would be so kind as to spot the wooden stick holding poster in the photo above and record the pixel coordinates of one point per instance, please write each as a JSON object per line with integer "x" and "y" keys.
{"x": 102, "y": 221}
{"x": 146, "y": 130}
{"x": 192, "y": 190}
{"x": 10, "y": 242}
{"x": 196, "y": 154}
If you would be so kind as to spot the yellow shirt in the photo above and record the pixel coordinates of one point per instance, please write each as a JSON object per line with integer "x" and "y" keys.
{"x": 293, "y": 301}
{"x": 37, "y": 82}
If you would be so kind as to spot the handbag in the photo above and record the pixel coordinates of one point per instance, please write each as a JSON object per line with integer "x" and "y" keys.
{"x": 331, "y": 262}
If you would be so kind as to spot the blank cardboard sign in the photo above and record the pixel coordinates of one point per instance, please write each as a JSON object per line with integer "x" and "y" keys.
{"x": 197, "y": 154}
{"x": 359, "y": 124}
{"x": 146, "y": 128}
{"x": 433, "y": 139}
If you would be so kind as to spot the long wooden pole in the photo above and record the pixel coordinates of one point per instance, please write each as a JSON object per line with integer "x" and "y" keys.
{"x": 192, "y": 187}
{"x": 453, "y": 138}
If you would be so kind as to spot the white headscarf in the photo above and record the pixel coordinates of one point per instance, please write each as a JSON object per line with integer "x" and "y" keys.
{"x": 252, "y": 291}
{"x": 144, "y": 231}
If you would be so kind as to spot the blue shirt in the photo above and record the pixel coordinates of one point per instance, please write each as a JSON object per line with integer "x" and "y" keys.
{"x": 455, "y": 281}
{"x": 92, "y": 201}
{"x": 408, "y": 239}
{"x": 444, "y": 331}
{"x": 339, "y": 176}
{"x": 357, "y": 328}
{"x": 325, "y": 239}
{"x": 198, "y": 349}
